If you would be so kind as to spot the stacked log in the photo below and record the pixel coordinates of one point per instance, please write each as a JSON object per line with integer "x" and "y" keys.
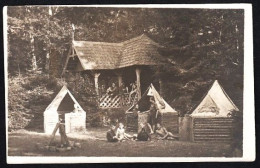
{"x": 213, "y": 129}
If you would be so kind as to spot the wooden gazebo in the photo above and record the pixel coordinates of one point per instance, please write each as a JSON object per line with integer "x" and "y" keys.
{"x": 124, "y": 61}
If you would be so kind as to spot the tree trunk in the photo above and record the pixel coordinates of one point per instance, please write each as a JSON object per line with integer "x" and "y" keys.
{"x": 34, "y": 62}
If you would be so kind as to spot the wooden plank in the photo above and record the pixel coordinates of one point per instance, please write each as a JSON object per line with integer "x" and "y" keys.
{"x": 54, "y": 132}
{"x": 212, "y": 125}
{"x": 215, "y": 122}
{"x": 215, "y": 135}
{"x": 66, "y": 62}
{"x": 223, "y": 126}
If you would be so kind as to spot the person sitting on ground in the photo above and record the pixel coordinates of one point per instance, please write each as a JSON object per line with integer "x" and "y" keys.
{"x": 145, "y": 132}
{"x": 163, "y": 133}
{"x": 111, "y": 134}
{"x": 112, "y": 91}
{"x": 133, "y": 91}
{"x": 121, "y": 134}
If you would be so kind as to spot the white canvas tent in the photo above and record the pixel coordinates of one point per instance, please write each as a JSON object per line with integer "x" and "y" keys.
{"x": 163, "y": 106}
{"x": 215, "y": 104}
{"x": 51, "y": 113}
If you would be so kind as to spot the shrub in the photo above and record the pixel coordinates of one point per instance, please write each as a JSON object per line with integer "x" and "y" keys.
{"x": 25, "y": 94}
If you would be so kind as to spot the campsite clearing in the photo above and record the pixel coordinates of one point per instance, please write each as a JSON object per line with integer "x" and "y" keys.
{"x": 93, "y": 143}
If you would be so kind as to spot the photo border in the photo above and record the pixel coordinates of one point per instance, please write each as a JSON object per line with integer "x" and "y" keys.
{"x": 249, "y": 150}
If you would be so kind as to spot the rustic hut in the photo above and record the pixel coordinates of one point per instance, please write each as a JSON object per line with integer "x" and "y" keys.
{"x": 66, "y": 107}
{"x": 210, "y": 121}
{"x": 121, "y": 63}
{"x": 169, "y": 115}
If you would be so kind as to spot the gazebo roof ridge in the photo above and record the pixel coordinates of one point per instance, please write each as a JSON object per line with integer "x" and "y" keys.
{"x": 140, "y": 50}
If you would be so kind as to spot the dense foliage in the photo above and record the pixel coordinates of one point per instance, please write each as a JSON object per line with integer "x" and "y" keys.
{"x": 28, "y": 96}
{"x": 200, "y": 45}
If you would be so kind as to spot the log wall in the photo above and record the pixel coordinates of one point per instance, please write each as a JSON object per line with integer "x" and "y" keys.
{"x": 212, "y": 129}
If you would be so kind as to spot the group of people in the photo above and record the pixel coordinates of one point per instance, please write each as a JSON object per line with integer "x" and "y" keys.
{"x": 154, "y": 114}
{"x": 113, "y": 90}
{"x": 118, "y": 134}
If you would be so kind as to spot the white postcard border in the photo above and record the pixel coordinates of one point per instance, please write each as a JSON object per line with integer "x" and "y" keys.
{"x": 249, "y": 150}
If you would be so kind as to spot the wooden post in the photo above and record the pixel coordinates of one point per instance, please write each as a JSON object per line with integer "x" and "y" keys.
{"x": 138, "y": 82}
{"x": 96, "y": 75}
{"x": 120, "y": 78}
{"x": 54, "y": 132}
{"x": 120, "y": 91}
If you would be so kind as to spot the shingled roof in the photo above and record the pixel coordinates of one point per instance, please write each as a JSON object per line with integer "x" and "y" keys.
{"x": 101, "y": 55}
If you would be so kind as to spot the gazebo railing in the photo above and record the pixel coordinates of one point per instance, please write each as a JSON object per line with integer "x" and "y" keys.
{"x": 117, "y": 101}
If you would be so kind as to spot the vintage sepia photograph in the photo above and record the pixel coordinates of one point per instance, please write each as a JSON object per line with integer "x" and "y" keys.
{"x": 137, "y": 82}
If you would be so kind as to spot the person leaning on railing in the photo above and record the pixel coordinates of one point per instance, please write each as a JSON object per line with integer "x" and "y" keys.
{"x": 113, "y": 90}
{"x": 133, "y": 91}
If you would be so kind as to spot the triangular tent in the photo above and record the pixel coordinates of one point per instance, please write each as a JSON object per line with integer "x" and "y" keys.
{"x": 58, "y": 99}
{"x": 216, "y": 103}
{"x": 144, "y": 102}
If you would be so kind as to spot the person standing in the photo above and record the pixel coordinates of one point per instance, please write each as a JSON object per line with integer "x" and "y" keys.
{"x": 152, "y": 116}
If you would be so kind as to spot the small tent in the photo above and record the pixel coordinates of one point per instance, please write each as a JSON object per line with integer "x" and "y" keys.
{"x": 144, "y": 102}
{"x": 210, "y": 120}
{"x": 216, "y": 103}
{"x": 63, "y": 106}
{"x": 169, "y": 115}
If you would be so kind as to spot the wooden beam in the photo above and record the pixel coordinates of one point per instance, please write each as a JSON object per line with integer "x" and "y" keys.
{"x": 138, "y": 82}
{"x": 96, "y": 75}
{"x": 66, "y": 62}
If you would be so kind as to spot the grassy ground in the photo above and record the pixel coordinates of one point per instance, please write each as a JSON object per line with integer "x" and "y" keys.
{"x": 22, "y": 143}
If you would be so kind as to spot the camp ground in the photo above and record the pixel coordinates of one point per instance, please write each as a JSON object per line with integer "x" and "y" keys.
{"x": 125, "y": 81}
{"x": 207, "y": 123}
